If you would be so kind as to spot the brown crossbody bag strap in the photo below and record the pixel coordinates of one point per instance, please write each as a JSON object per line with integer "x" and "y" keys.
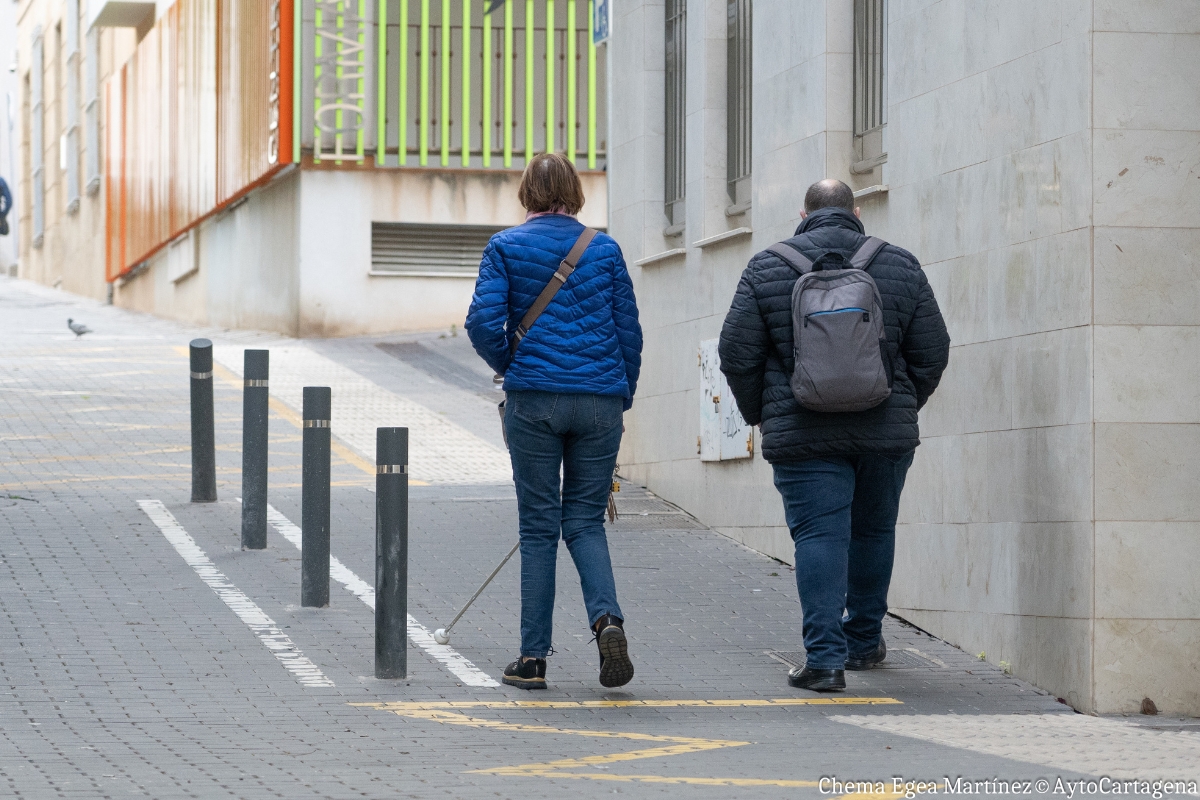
{"x": 557, "y": 281}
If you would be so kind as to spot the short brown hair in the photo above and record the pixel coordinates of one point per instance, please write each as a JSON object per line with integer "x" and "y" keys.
{"x": 550, "y": 183}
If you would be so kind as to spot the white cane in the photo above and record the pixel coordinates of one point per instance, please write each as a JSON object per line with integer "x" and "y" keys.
{"x": 442, "y": 635}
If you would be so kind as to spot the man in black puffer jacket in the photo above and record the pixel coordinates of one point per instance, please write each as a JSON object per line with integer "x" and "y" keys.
{"x": 840, "y": 473}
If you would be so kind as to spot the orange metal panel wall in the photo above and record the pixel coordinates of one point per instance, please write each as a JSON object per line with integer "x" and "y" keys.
{"x": 194, "y": 156}
{"x": 114, "y": 166}
{"x": 147, "y": 206}
{"x": 243, "y": 114}
{"x": 199, "y": 115}
{"x": 285, "y": 80}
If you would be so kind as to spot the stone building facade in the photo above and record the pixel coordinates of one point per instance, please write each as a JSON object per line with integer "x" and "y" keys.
{"x": 1042, "y": 160}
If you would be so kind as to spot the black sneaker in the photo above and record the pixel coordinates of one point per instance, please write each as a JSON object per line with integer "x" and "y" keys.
{"x": 526, "y": 673}
{"x": 615, "y": 667}
{"x": 817, "y": 680}
{"x": 870, "y": 660}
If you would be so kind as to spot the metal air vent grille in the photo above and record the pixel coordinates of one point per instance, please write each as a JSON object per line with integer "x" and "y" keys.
{"x": 400, "y": 248}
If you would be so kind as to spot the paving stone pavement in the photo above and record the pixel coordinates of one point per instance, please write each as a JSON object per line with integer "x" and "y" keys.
{"x": 125, "y": 670}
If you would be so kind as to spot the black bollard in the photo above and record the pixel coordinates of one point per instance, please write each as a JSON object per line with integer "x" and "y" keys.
{"x": 255, "y": 399}
{"x": 204, "y": 451}
{"x": 391, "y": 552}
{"x": 314, "y": 498}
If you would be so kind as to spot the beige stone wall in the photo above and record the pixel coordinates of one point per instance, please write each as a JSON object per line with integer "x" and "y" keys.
{"x": 1146, "y": 244}
{"x": 989, "y": 169}
{"x": 1043, "y": 158}
{"x": 71, "y": 256}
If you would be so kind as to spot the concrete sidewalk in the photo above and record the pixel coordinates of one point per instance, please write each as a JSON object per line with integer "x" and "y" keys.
{"x": 143, "y": 653}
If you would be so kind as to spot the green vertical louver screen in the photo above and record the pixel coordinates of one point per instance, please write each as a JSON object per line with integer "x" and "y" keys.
{"x": 478, "y": 89}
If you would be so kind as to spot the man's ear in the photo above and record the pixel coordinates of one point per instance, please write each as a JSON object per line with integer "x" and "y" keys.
{"x": 856, "y": 210}
{"x": 803, "y": 214}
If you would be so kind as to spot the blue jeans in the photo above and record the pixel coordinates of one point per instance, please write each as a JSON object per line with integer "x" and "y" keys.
{"x": 578, "y": 434}
{"x": 842, "y": 515}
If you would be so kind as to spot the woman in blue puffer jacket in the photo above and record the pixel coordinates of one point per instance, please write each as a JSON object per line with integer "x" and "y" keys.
{"x": 568, "y": 382}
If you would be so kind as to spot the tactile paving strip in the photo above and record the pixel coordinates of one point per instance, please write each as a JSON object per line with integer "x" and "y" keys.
{"x": 1075, "y": 742}
{"x": 645, "y": 506}
{"x": 896, "y": 659}
{"x": 641, "y": 511}
{"x": 440, "y": 452}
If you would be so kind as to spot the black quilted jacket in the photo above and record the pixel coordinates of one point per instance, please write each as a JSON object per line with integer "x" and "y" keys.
{"x": 756, "y": 349}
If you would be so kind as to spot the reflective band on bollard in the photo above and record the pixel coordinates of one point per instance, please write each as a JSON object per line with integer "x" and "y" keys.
{"x": 391, "y": 552}
{"x": 314, "y": 498}
{"x": 255, "y": 401}
{"x": 204, "y": 455}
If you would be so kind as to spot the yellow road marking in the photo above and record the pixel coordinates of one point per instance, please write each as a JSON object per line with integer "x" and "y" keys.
{"x": 402, "y": 708}
{"x": 450, "y": 718}
{"x": 682, "y": 748}
{"x": 447, "y": 712}
{"x": 95, "y": 479}
{"x": 437, "y": 712}
{"x": 884, "y": 795}
{"x": 160, "y": 477}
{"x": 356, "y": 484}
{"x": 661, "y": 779}
{"x": 119, "y": 456}
{"x": 62, "y": 459}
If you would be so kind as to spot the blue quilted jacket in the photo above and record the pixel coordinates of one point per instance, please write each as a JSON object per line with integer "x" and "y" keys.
{"x": 587, "y": 341}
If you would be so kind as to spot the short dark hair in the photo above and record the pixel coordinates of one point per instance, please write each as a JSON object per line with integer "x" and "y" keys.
{"x": 829, "y": 193}
{"x": 550, "y": 183}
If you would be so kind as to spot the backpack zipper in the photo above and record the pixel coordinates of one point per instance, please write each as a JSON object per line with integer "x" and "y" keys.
{"x": 866, "y": 314}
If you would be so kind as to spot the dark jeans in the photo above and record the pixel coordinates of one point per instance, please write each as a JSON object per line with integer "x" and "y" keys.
{"x": 576, "y": 436}
{"x": 842, "y": 515}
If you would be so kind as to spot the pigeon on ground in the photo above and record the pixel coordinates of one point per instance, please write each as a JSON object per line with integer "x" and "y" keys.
{"x": 78, "y": 328}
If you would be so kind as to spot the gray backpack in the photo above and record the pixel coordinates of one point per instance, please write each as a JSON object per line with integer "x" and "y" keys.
{"x": 841, "y": 351}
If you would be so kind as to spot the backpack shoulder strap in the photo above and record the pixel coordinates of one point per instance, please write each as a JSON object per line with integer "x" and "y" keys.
{"x": 866, "y": 252}
{"x": 792, "y": 257}
{"x": 557, "y": 281}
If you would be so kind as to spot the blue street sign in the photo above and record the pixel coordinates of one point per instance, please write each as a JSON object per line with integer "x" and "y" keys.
{"x": 601, "y": 21}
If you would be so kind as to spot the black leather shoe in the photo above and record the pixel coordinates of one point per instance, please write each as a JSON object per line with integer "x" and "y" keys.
{"x": 615, "y": 667}
{"x": 870, "y": 660}
{"x": 817, "y": 680}
{"x": 526, "y": 673}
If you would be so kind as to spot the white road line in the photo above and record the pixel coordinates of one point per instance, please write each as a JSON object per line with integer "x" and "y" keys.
{"x": 454, "y": 661}
{"x": 275, "y": 640}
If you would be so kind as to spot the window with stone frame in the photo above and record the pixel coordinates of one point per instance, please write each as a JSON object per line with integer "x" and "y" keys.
{"x": 70, "y": 142}
{"x": 37, "y": 118}
{"x": 870, "y": 84}
{"x": 676, "y": 114}
{"x": 738, "y": 103}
